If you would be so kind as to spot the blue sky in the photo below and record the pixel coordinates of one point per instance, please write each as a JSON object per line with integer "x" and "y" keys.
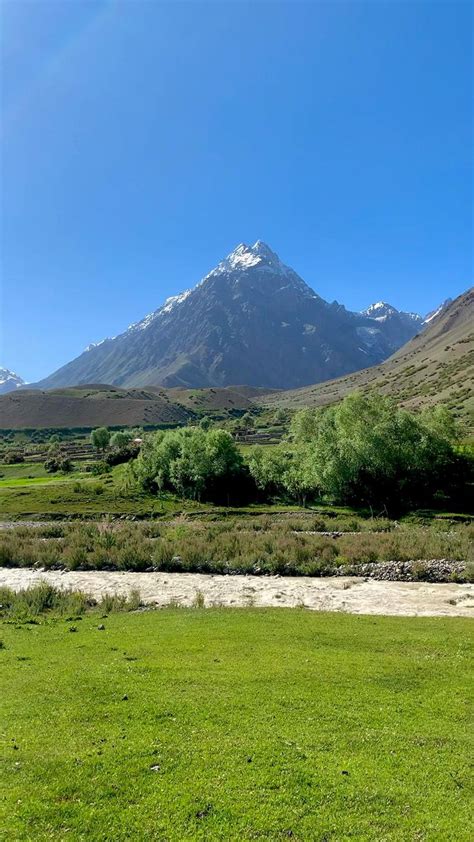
{"x": 141, "y": 141}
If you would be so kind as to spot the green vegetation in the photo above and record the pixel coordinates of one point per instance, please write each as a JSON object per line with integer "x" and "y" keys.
{"x": 365, "y": 451}
{"x": 194, "y": 462}
{"x": 263, "y": 546}
{"x": 186, "y": 724}
{"x": 100, "y": 438}
{"x": 43, "y": 600}
{"x": 82, "y": 496}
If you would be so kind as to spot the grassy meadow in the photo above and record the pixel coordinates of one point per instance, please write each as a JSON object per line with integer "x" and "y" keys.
{"x": 204, "y": 724}
{"x": 225, "y": 724}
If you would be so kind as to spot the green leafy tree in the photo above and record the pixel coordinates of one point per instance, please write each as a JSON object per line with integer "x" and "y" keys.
{"x": 280, "y": 416}
{"x": 367, "y": 451}
{"x": 191, "y": 461}
{"x": 120, "y": 440}
{"x": 267, "y": 466}
{"x": 100, "y": 438}
{"x": 364, "y": 451}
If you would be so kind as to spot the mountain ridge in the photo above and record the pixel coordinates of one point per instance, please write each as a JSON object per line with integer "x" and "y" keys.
{"x": 436, "y": 366}
{"x": 251, "y": 319}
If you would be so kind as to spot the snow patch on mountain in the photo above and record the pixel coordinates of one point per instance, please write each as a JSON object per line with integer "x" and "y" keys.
{"x": 9, "y": 381}
{"x": 97, "y": 344}
{"x": 247, "y": 257}
{"x": 166, "y": 308}
{"x": 434, "y": 313}
{"x": 173, "y": 301}
{"x": 381, "y": 311}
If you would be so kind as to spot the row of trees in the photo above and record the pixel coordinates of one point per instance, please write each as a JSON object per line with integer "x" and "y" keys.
{"x": 364, "y": 451}
{"x": 102, "y": 439}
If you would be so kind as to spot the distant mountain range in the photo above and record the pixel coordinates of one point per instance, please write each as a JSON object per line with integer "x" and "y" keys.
{"x": 9, "y": 381}
{"x": 437, "y": 366}
{"x": 251, "y": 320}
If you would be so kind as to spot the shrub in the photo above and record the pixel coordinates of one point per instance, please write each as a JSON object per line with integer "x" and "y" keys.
{"x": 13, "y": 457}
{"x": 99, "y": 468}
{"x": 58, "y": 462}
{"x": 469, "y": 572}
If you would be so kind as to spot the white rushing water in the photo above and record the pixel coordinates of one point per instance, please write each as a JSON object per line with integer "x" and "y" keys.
{"x": 353, "y": 595}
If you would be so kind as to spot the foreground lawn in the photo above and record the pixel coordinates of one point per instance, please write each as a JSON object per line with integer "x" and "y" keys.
{"x": 236, "y": 724}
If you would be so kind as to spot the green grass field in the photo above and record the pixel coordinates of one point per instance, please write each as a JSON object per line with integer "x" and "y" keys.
{"x": 236, "y": 725}
{"x": 23, "y": 470}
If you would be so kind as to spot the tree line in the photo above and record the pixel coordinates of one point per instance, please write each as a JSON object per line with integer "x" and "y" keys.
{"x": 364, "y": 451}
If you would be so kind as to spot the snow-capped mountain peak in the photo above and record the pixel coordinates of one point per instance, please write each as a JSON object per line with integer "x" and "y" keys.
{"x": 252, "y": 319}
{"x": 381, "y": 311}
{"x": 245, "y": 257}
{"x": 9, "y": 381}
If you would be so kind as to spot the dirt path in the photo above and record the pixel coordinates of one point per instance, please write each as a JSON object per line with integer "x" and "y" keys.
{"x": 353, "y": 595}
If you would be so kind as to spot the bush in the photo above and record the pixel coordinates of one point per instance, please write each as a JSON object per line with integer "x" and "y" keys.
{"x": 57, "y": 463}
{"x": 13, "y": 457}
{"x": 99, "y": 468}
{"x": 225, "y": 547}
{"x": 122, "y": 455}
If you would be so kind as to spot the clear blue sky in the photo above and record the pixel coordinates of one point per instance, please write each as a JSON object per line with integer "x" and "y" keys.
{"x": 143, "y": 140}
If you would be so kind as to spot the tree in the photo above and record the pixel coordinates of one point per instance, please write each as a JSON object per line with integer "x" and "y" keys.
{"x": 196, "y": 463}
{"x": 279, "y": 416}
{"x": 304, "y": 425}
{"x": 100, "y": 438}
{"x": 365, "y": 451}
{"x": 120, "y": 440}
{"x": 248, "y": 421}
{"x": 267, "y": 466}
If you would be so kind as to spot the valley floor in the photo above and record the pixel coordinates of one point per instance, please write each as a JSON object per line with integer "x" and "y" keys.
{"x": 348, "y": 594}
{"x": 212, "y": 724}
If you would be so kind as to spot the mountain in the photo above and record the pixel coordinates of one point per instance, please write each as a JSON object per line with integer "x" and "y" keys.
{"x": 9, "y": 381}
{"x": 437, "y": 366}
{"x": 251, "y": 320}
{"x": 434, "y": 313}
{"x": 398, "y": 327}
{"x": 95, "y": 405}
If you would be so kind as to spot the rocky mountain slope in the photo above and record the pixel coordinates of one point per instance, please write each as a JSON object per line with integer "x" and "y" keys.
{"x": 251, "y": 320}
{"x": 9, "y": 381}
{"x": 437, "y": 366}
